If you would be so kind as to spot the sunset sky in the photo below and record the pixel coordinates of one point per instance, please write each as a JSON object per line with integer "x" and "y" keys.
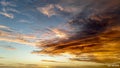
{"x": 59, "y": 33}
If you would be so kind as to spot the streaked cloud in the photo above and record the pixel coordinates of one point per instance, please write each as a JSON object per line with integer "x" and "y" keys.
{"x": 9, "y": 35}
{"x": 21, "y": 39}
{"x": 56, "y": 9}
{"x": 9, "y": 15}
{"x": 20, "y": 66}
{"x": 52, "y": 61}
{"x": 90, "y": 33}
{"x": 8, "y": 12}
{"x": 7, "y": 47}
{"x": 11, "y": 10}
{"x": 4, "y": 27}
{"x": 24, "y": 21}
{"x": 6, "y": 3}
{"x": 17, "y": 40}
{"x": 8, "y": 9}
{"x": 95, "y": 31}
{"x": 66, "y": 8}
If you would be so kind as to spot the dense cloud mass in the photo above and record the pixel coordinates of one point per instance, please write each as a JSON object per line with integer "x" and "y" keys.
{"x": 94, "y": 32}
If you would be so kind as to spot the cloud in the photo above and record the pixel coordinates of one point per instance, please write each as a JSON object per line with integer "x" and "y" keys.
{"x": 51, "y": 61}
{"x": 95, "y": 31}
{"x": 9, "y": 66}
{"x": 11, "y": 10}
{"x": 67, "y": 8}
{"x": 9, "y": 15}
{"x": 4, "y": 27}
{"x": 47, "y": 10}
{"x": 9, "y": 35}
{"x": 8, "y": 47}
{"x": 7, "y": 9}
{"x": 53, "y": 66}
{"x": 62, "y": 7}
{"x": 21, "y": 65}
{"x": 57, "y": 9}
{"x": 17, "y": 40}
{"x": 24, "y": 21}
{"x": 6, "y": 3}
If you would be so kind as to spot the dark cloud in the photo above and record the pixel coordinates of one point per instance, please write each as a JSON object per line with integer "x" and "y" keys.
{"x": 69, "y": 8}
{"x": 95, "y": 30}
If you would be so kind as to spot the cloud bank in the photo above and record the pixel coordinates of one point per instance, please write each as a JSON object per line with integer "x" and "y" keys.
{"x": 94, "y": 32}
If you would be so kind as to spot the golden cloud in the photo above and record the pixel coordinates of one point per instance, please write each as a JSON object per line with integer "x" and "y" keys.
{"x": 9, "y": 35}
{"x": 96, "y": 33}
{"x": 51, "y": 61}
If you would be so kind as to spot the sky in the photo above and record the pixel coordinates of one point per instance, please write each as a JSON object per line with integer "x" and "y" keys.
{"x": 59, "y": 33}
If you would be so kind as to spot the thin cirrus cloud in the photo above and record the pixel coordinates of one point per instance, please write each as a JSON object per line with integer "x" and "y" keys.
{"x": 4, "y": 27}
{"x": 6, "y": 3}
{"x": 7, "y": 8}
{"x": 52, "y": 61}
{"x": 16, "y": 39}
{"x": 7, "y": 47}
{"x": 9, "y": 15}
{"x": 57, "y": 9}
{"x": 8, "y": 12}
{"x": 64, "y": 8}
{"x": 9, "y": 35}
{"x": 24, "y": 21}
{"x": 20, "y": 66}
{"x": 11, "y": 10}
{"x": 95, "y": 33}
{"x": 47, "y": 10}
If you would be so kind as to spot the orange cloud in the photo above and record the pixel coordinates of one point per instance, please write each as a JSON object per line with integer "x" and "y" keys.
{"x": 95, "y": 32}
{"x": 51, "y": 61}
{"x": 9, "y": 35}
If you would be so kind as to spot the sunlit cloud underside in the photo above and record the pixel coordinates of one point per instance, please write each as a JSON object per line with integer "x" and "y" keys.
{"x": 59, "y": 34}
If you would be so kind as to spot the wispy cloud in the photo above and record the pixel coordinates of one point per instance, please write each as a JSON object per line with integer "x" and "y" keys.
{"x": 9, "y": 35}
{"x": 95, "y": 31}
{"x": 11, "y": 10}
{"x": 24, "y": 21}
{"x": 9, "y": 15}
{"x": 62, "y": 9}
{"x": 47, "y": 10}
{"x": 7, "y": 47}
{"x": 6, "y": 3}
{"x": 17, "y": 40}
{"x": 7, "y": 9}
{"x": 52, "y": 61}
{"x": 21, "y": 66}
{"x": 4, "y": 27}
